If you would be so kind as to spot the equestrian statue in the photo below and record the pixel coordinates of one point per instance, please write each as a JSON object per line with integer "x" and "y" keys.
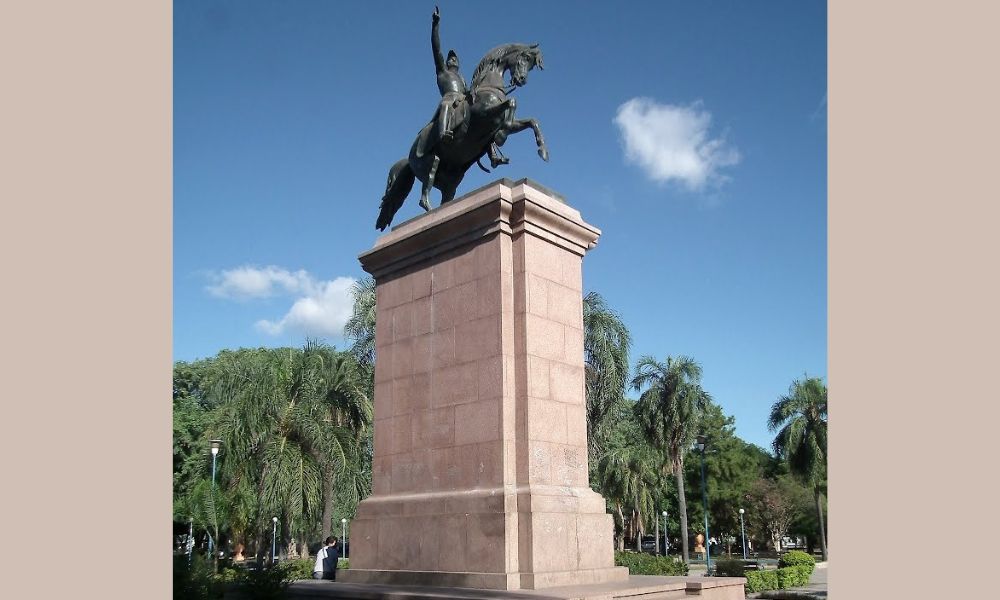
{"x": 469, "y": 123}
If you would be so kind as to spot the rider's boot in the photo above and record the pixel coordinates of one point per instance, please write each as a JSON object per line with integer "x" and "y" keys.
{"x": 496, "y": 158}
{"x": 445, "y": 133}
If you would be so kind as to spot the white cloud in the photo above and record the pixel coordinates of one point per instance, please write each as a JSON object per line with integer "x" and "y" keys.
{"x": 672, "y": 143}
{"x": 322, "y": 312}
{"x": 248, "y": 282}
{"x": 320, "y": 308}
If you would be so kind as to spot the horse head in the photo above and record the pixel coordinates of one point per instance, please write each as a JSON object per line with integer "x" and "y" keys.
{"x": 517, "y": 59}
{"x": 525, "y": 61}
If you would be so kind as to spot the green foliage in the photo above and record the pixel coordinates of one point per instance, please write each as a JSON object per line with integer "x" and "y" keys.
{"x": 270, "y": 583}
{"x": 729, "y": 567}
{"x": 625, "y": 476}
{"x": 760, "y": 581}
{"x": 301, "y": 568}
{"x": 796, "y": 558}
{"x": 344, "y": 563}
{"x": 640, "y": 563}
{"x": 779, "y": 579}
{"x": 800, "y": 420}
{"x": 193, "y": 580}
{"x": 731, "y": 468}
{"x": 793, "y": 576}
{"x": 669, "y": 414}
{"x": 606, "y": 344}
{"x": 295, "y": 427}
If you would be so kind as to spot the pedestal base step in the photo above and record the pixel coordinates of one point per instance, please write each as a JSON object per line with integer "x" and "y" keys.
{"x": 487, "y": 581}
{"x": 636, "y": 587}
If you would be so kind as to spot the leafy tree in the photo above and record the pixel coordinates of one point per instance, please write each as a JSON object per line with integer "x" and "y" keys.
{"x": 191, "y": 417}
{"x": 800, "y": 419}
{"x": 360, "y": 329}
{"x": 279, "y": 440}
{"x": 771, "y": 511}
{"x": 350, "y": 410}
{"x": 731, "y": 468}
{"x": 669, "y": 412}
{"x": 606, "y": 344}
{"x": 625, "y": 476}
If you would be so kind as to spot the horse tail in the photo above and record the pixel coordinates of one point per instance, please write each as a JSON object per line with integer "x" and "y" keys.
{"x": 397, "y": 187}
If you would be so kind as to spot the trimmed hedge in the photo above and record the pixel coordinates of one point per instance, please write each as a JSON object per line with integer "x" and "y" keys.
{"x": 783, "y": 577}
{"x": 647, "y": 564}
{"x": 797, "y": 558}
{"x": 729, "y": 567}
{"x": 760, "y": 581}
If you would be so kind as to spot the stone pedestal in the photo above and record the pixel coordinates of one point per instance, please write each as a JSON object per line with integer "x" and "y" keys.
{"x": 480, "y": 466}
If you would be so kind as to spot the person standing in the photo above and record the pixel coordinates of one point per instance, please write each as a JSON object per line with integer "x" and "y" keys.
{"x": 326, "y": 560}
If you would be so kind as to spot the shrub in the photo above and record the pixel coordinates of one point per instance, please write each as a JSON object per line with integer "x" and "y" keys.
{"x": 193, "y": 580}
{"x": 761, "y": 581}
{"x": 779, "y": 579}
{"x": 796, "y": 558}
{"x": 300, "y": 568}
{"x": 269, "y": 583}
{"x": 729, "y": 567}
{"x": 344, "y": 563}
{"x": 793, "y": 576}
{"x": 647, "y": 564}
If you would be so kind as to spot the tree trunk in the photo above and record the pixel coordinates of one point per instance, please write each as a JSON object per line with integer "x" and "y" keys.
{"x": 327, "y": 503}
{"x": 822, "y": 530}
{"x": 682, "y": 505}
{"x": 656, "y": 535}
{"x": 620, "y": 541}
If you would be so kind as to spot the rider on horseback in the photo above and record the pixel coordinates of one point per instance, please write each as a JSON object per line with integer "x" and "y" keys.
{"x": 456, "y": 98}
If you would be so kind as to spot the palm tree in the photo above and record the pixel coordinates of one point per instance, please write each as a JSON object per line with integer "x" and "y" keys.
{"x": 800, "y": 419}
{"x": 350, "y": 411}
{"x": 606, "y": 344}
{"x": 669, "y": 412}
{"x": 360, "y": 327}
{"x": 627, "y": 480}
{"x": 279, "y": 441}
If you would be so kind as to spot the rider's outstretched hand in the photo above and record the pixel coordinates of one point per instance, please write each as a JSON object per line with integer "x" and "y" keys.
{"x": 436, "y": 16}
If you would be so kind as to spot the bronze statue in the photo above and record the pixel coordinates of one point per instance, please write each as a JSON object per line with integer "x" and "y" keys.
{"x": 467, "y": 125}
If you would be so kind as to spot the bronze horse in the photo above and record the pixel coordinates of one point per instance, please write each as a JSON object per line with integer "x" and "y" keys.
{"x": 489, "y": 119}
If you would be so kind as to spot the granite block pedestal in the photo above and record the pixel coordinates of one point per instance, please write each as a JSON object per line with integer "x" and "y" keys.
{"x": 480, "y": 465}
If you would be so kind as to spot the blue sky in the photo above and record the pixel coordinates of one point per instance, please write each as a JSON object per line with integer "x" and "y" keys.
{"x": 693, "y": 134}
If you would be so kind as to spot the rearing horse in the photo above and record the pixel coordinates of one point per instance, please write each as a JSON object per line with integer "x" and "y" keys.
{"x": 489, "y": 120}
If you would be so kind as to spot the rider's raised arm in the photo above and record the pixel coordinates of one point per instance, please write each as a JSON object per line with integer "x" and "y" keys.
{"x": 436, "y": 41}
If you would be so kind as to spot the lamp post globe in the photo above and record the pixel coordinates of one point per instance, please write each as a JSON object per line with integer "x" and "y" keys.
{"x": 743, "y": 534}
{"x": 214, "y": 445}
{"x": 665, "y": 536}
{"x": 343, "y": 537}
{"x": 274, "y": 539}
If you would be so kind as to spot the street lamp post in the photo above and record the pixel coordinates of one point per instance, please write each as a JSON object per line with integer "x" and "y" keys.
{"x": 743, "y": 534}
{"x": 343, "y": 538}
{"x": 704, "y": 500}
{"x": 274, "y": 539}
{"x": 216, "y": 444}
{"x": 665, "y": 536}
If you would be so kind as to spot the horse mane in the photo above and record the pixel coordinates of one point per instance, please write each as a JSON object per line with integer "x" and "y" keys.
{"x": 495, "y": 60}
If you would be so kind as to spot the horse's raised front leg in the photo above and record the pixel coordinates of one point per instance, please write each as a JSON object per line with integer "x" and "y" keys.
{"x": 517, "y": 125}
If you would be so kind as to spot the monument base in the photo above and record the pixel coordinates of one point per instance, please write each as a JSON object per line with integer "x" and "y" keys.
{"x": 634, "y": 587}
{"x": 487, "y": 581}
